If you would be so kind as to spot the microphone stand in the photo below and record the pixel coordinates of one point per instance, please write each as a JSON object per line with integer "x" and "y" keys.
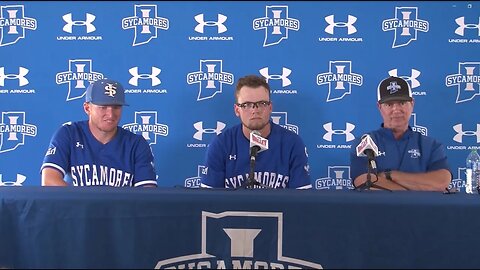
{"x": 369, "y": 183}
{"x": 251, "y": 181}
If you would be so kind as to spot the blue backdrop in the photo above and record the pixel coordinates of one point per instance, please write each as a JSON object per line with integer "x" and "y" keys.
{"x": 179, "y": 62}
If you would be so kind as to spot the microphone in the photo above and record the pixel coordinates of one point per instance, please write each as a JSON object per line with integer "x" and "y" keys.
{"x": 257, "y": 144}
{"x": 368, "y": 148}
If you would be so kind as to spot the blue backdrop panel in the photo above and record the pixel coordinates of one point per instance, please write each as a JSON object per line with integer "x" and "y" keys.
{"x": 179, "y": 62}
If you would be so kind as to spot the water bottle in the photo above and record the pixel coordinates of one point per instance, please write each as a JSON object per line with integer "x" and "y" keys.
{"x": 472, "y": 172}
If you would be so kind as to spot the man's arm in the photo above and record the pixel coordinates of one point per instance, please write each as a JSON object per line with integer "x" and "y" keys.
{"x": 52, "y": 177}
{"x": 436, "y": 180}
{"x": 380, "y": 181}
{"x": 56, "y": 161}
{"x": 144, "y": 164}
{"x": 299, "y": 170}
{"x": 215, "y": 169}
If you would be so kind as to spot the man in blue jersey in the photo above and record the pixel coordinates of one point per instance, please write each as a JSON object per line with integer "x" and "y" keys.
{"x": 283, "y": 165}
{"x": 407, "y": 160}
{"x": 98, "y": 152}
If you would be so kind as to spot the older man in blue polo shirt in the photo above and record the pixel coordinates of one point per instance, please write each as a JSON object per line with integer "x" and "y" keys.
{"x": 407, "y": 160}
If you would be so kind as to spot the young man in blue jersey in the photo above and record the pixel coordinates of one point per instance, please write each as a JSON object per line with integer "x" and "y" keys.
{"x": 407, "y": 160}
{"x": 98, "y": 152}
{"x": 283, "y": 165}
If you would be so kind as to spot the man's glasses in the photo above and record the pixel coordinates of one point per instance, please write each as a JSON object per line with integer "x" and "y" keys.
{"x": 250, "y": 105}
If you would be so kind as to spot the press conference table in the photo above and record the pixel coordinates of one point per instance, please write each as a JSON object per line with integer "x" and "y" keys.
{"x": 91, "y": 227}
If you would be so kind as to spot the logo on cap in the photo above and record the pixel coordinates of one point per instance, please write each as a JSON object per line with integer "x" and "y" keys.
{"x": 110, "y": 90}
{"x": 393, "y": 87}
{"x": 105, "y": 92}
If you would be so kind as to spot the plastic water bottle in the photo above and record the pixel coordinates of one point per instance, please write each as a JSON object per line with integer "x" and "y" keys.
{"x": 472, "y": 172}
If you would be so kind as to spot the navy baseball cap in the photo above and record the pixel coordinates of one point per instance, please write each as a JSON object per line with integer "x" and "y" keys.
{"x": 105, "y": 92}
{"x": 394, "y": 89}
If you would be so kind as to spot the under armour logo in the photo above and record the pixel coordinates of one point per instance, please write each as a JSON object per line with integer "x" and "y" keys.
{"x": 414, "y": 83}
{"x": 153, "y": 76}
{"x": 110, "y": 90}
{"x": 200, "y": 130}
{"x": 79, "y": 145}
{"x": 332, "y": 24}
{"x": 462, "y": 26}
{"x": 460, "y": 133}
{"x": 18, "y": 182}
{"x": 87, "y": 23}
{"x": 347, "y": 132}
{"x": 284, "y": 76}
{"x": 232, "y": 157}
{"x": 22, "y": 81}
{"x": 393, "y": 87}
{"x": 219, "y": 23}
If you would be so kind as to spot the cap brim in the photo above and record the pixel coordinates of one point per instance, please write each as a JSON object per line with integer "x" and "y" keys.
{"x": 395, "y": 99}
{"x": 108, "y": 104}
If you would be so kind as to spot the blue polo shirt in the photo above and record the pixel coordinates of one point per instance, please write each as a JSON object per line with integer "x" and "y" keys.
{"x": 413, "y": 152}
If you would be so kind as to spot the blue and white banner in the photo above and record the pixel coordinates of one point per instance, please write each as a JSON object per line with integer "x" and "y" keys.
{"x": 179, "y": 62}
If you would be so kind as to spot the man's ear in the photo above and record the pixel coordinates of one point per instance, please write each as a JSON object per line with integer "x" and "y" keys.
{"x": 236, "y": 109}
{"x": 86, "y": 108}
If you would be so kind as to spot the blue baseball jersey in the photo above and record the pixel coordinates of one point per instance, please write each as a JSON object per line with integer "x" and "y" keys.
{"x": 283, "y": 165}
{"x": 126, "y": 160}
{"x": 414, "y": 153}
